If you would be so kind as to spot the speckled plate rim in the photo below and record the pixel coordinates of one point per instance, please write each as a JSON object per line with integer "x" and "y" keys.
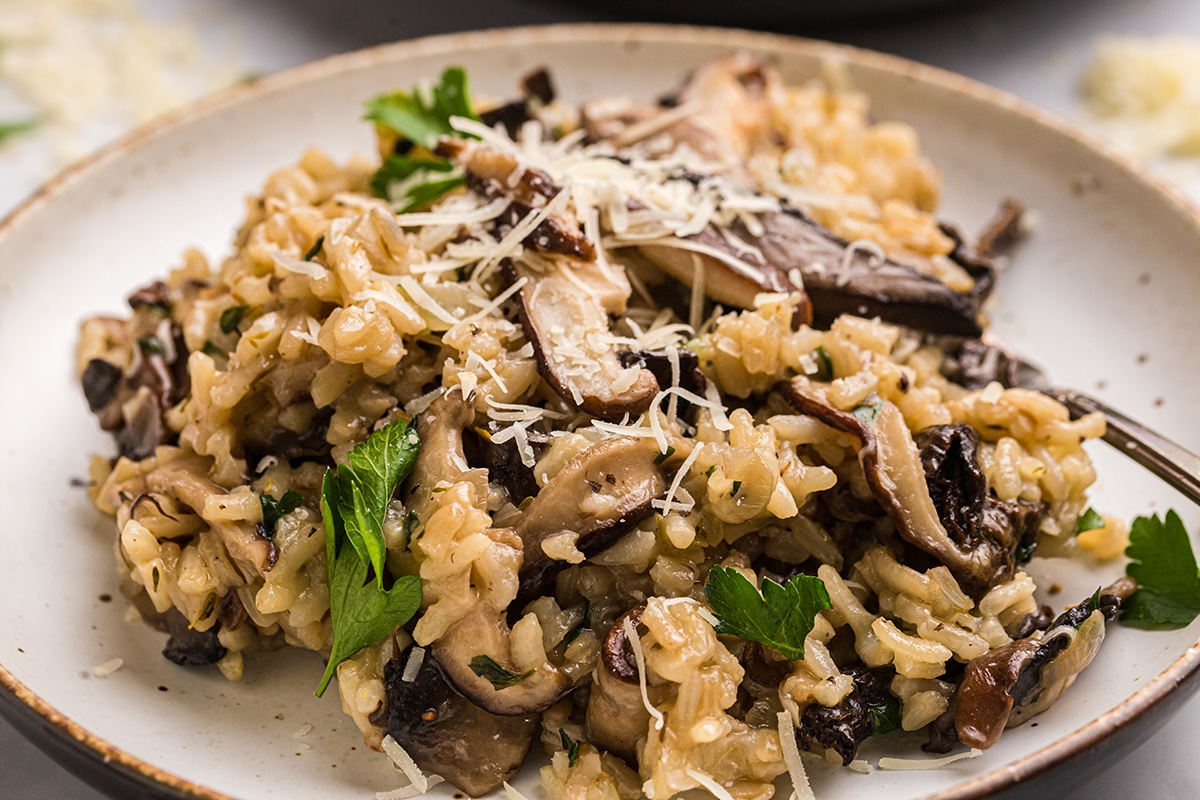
{"x": 83, "y": 752}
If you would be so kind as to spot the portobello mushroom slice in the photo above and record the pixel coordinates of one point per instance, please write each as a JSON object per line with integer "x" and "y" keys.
{"x": 894, "y": 471}
{"x": 563, "y": 313}
{"x": 476, "y": 655}
{"x": 732, "y": 276}
{"x": 448, "y": 735}
{"x": 597, "y": 497}
{"x": 1011, "y": 684}
{"x": 616, "y": 717}
{"x": 840, "y": 279}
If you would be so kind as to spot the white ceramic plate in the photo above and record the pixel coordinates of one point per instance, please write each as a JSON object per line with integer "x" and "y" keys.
{"x": 1103, "y": 295}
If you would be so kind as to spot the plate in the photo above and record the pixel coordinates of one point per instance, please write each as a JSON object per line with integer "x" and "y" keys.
{"x": 1093, "y": 295}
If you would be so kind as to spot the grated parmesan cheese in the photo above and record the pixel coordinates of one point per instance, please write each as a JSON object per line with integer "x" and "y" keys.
{"x": 708, "y": 782}
{"x": 639, "y": 658}
{"x": 801, "y": 789}
{"x": 926, "y": 763}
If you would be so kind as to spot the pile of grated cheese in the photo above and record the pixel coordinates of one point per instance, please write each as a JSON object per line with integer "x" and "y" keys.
{"x": 87, "y": 70}
{"x": 1145, "y": 92}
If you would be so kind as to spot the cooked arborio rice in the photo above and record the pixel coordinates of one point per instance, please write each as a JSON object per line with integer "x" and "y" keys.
{"x": 638, "y": 343}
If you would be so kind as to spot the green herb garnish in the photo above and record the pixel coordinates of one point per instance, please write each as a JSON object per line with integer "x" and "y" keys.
{"x": 160, "y": 309}
{"x": 885, "y": 718}
{"x": 423, "y": 119}
{"x": 273, "y": 510}
{"x": 663, "y": 456}
{"x": 10, "y": 130}
{"x": 210, "y": 349}
{"x": 409, "y": 182}
{"x": 232, "y": 317}
{"x": 1164, "y": 566}
{"x": 498, "y": 676}
{"x": 1089, "y": 520}
{"x": 733, "y": 490}
{"x": 571, "y": 746}
{"x": 152, "y": 344}
{"x": 780, "y": 617}
{"x": 824, "y": 364}
{"x": 708, "y": 472}
{"x": 315, "y": 250}
{"x": 868, "y": 412}
{"x": 354, "y": 500}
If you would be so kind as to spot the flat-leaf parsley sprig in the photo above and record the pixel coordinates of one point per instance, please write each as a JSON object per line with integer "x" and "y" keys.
{"x": 354, "y": 502}
{"x": 780, "y": 617}
{"x": 1164, "y": 566}
{"x": 415, "y": 178}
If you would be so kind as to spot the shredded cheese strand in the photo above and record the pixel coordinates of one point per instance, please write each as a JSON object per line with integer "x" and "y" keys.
{"x": 635, "y": 643}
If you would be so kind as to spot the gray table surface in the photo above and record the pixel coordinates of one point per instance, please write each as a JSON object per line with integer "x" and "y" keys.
{"x": 1033, "y": 48}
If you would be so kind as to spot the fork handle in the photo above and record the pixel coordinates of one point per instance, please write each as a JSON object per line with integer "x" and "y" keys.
{"x": 1176, "y": 465}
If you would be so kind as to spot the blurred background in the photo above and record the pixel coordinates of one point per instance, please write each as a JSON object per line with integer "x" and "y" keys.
{"x": 75, "y": 74}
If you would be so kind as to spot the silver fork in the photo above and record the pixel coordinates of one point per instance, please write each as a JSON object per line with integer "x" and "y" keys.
{"x": 1176, "y": 465}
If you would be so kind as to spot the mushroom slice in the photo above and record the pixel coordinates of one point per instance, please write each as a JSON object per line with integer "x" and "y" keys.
{"x": 567, "y": 324}
{"x": 844, "y": 727}
{"x": 448, "y": 735}
{"x": 441, "y": 459}
{"x": 732, "y": 276}
{"x": 616, "y": 716}
{"x": 596, "y": 497}
{"x": 1014, "y": 683}
{"x": 840, "y": 279}
{"x": 477, "y": 657}
{"x": 894, "y": 471}
{"x": 494, "y": 173}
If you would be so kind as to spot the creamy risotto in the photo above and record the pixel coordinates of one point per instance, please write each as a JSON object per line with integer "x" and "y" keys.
{"x": 659, "y": 438}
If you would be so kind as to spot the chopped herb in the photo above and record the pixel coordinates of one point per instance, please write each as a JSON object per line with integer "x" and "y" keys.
{"x": 663, "y": 456}
{"x": 1164, "y": 566}
{"x": 734, "y": 490}
{"x": 398, "y": 169}
{"x": 780, "y": 617}
{"x": 152, "y": 344}
{"x": 583, "y": 625}
{"x": 868, "y": 411}
{"x": 273, "y": 510}
{"x": 824, "y": 364}
{"x": 571, "y": 746}
{"x": 885, "y": 718}
{"x": 425, "y": 193}
{"x": 210, "y": 349}
{"x": 161, "y": 309}
{"x": 315, "y": 250}
{"x": 423, "y": 119}
{"x": 232, "y": 317}
{"x": 1089, "y": 520}
{"x": 708, "y": 472}
{"x": 498, "y": 676}
{"x": 10, "y": 130}
{"x": 354, "y": 500}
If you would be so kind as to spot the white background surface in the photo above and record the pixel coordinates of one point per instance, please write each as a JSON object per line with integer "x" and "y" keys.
{"x": 1036, "y": 49}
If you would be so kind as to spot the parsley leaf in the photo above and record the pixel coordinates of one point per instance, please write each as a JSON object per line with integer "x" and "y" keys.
{"x": 1089, "y": 520}
{"x": 397, "y": 169}
{"x": 315, "y": 250}
{"x": 1163, "y": 564}
{"x": 422, "y": 119}
{"x": 9, "y": 130}
{"x": 868, "y": 411}
{"x": 885, "y": 718}
{"x": 273, "y": 509}
{"x": 571, "y": 746}
{"x": 780, "y": 617}
{"x": 152, "y": 344}
{"x": 232, "y": 317}
{"x": 824, "y": 364}
{"x": 501, "y": 678}
{"x": 364, "y": 487}
{"x": 354, "y": 500}
{"x": 664, "y": 455}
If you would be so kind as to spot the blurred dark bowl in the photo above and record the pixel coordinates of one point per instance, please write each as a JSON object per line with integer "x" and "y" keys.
{"x": 778, "y": 15}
